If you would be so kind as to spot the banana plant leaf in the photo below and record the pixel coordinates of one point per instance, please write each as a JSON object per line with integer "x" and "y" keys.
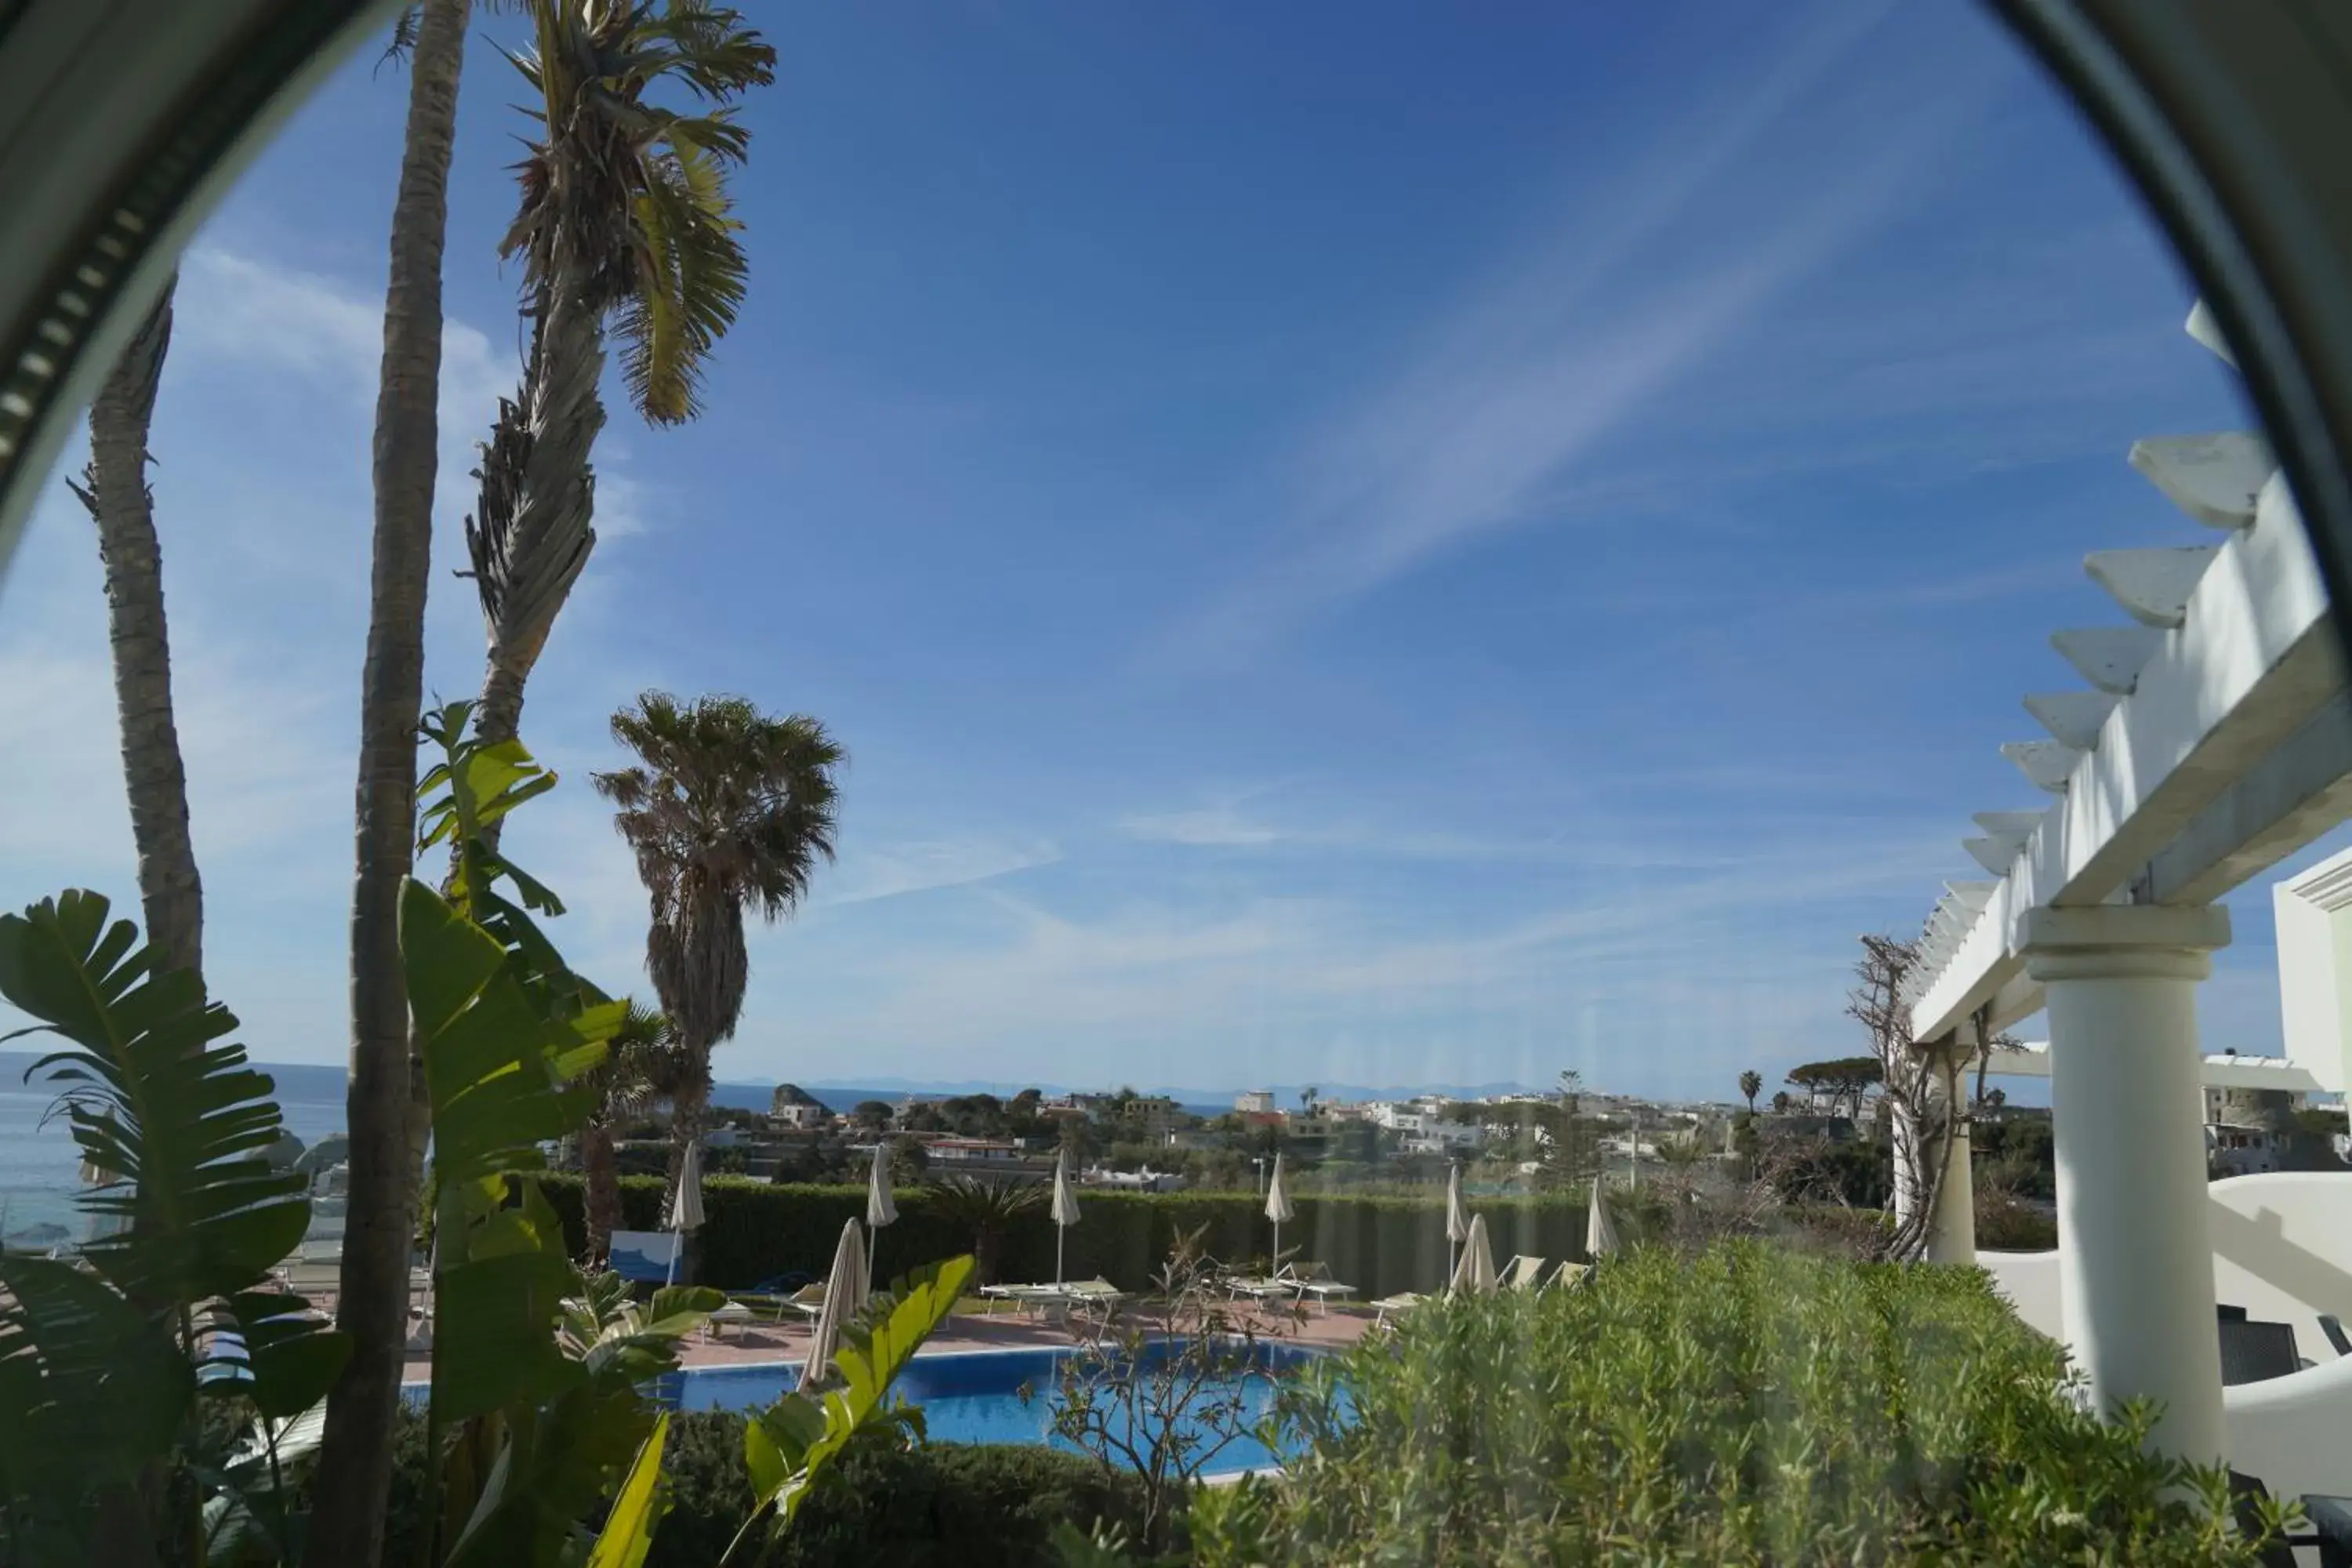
{"x": 91, "y": 1387}
{"x": 500, "y": 1072}
{"x": 789, "y": 1445}
{"x": 151, "y": 1098}
{"x": 628, "y": 1533}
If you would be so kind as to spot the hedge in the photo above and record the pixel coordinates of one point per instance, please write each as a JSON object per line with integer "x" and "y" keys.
{"x": 969, "y": 1505}
{"x": 754, "y": 1230}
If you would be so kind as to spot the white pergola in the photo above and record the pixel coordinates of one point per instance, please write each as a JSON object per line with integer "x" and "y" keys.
{"x": 2213, "y": 741}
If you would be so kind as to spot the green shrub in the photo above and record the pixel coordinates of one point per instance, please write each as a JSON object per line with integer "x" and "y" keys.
{"x": 966, "y": 1504}
{"x": 2006, "y": 1224}
{"x": 754, "y": 1230}
{"x": 970, "y": 1505}
{"x": 1742, "y": 1404}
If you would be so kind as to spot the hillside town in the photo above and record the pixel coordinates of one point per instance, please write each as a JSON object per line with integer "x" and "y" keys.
{"x": 1823, "y": 1136}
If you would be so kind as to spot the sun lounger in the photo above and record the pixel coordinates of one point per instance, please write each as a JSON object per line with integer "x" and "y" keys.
{"x": 1522, "y": 1273}
{"x": 1025, "y": 1298}
{"x": 1271, "y": 1288}
{"x": 1569, "y": 1276}
{"x": 1397, "y": 1303}
{"x": 734, "y": 1314}
{"x": 1314, "y": 1279}
{"x": 807, "y": 1301}
{"x": 1094, "y": 1292}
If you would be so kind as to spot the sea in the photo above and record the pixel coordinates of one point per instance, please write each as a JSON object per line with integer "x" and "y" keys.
{"x": 41, "y": 1168}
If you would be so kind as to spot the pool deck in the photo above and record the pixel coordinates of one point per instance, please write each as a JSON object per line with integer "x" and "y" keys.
{"x": 1005, "y": 1329}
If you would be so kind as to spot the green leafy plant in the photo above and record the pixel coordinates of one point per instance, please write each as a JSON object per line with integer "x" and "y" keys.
{"x": 536, "y": 1410}
{"x": 1165, "y": 1390}
{"x": 122, "y": 1388}
{"x": 1744, "y": 1404}
{"x": 789, "y": 1447}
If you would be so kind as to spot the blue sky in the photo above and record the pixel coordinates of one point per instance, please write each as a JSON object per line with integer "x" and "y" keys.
{"x": 1343, "y": 543}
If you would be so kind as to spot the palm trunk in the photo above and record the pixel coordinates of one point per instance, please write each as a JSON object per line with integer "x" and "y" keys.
{"x": 600, "y": 1174}
{"x": 170, "y": 893}
{"x": 351, "y": 1489}
{"x": 533, "y": 529}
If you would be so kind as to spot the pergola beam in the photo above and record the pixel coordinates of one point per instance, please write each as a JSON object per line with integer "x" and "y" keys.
{"x": 2251, "y": 664}
{"x": 2286, "y": 800}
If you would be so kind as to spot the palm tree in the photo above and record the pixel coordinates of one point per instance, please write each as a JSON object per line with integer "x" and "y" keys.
{"x": 1751, "y": 1084}
{"x": 352, "y": 1487}
{"x": 986, "y": 1210}
{"x": 624, "y": 224}
{"x": 640, "y": 1067}
{"x": 114, "y": 489}
{"x": 728, "y": 808}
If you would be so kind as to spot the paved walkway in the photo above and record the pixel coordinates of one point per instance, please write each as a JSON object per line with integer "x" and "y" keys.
{"x": 1004, "y": 1328}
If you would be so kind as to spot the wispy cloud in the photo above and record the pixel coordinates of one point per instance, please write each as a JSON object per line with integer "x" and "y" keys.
{"x": 1524, "y": 383}
{"x": 1172, "y": 978}
{"x": 1208, "y": 828}
{"x": 888, "y": 870}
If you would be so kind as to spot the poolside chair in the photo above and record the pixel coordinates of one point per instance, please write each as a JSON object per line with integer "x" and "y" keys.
{"x": 1396, "y": 1303}
{"x": 1523, "y": 1272}
{"x": 734, "y": 1314}
{"x": 1263, "y": 1288}
{"x": 1094, "y": 1292}
{"x": 1314, "y": 1279}
{"x": 808, "y": 1301}
{"x": 1026, "y": 1298}
{"x": 769, "y": 1296}
{"x": 1568, "y": 1276}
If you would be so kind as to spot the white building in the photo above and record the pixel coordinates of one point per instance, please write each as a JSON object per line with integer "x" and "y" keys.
{"x": 1255, "y": 1101}
{"x": 1435, "y": 1137}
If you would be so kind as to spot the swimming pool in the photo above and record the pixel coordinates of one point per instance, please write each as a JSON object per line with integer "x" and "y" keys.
{"x": 975, "y": 1396}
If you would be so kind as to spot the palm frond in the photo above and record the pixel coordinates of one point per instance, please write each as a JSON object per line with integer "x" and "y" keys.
{"x": 624, "y": 204}
{"x": 403, "y": 42}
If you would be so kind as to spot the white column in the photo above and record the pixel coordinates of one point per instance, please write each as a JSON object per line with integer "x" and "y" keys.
{"x": 2135, "y": 1265}
{"x": 1952, "y": 1231}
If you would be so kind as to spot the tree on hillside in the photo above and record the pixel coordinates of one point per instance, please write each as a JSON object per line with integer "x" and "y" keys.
{"x": 1842, "y": 1081}
{"x": 727, "y": 809}
{"x": 874, "y": 1114}
{"x": 351, "y": 1485}
{"x": 624, "y": 226}
{"x": 1751, "y": 1084}
{"x": 1783, "y": 1101}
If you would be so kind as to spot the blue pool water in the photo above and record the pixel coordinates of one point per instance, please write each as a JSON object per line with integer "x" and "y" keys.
{"x": 975, "y": 1396}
